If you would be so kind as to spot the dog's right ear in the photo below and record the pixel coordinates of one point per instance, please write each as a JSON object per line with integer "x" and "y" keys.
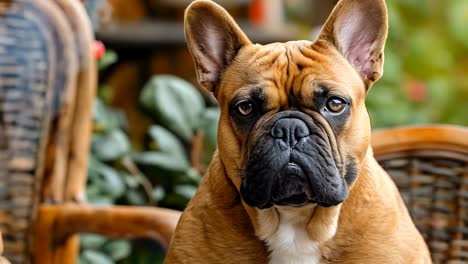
{"x": 214, "y": 40}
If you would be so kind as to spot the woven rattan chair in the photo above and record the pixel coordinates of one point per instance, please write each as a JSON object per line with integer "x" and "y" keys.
{"x": 47, "y": 87}
{"x": 430, "y": 167}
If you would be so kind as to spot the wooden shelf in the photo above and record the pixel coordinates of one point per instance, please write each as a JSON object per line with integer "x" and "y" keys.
{"x": 152, "y": 34}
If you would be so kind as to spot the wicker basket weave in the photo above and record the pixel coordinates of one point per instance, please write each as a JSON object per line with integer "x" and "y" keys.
{"x": 35, "y": 74}
{"x": 47, "y": 88}
{"x": 433, "y": 180}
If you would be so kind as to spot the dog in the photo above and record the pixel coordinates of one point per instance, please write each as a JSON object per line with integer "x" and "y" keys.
{"x": 294, "y": 179}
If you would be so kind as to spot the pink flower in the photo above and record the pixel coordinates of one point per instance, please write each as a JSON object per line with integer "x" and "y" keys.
{"x": 98, "y": 49}
{"x": 416, "y": 90}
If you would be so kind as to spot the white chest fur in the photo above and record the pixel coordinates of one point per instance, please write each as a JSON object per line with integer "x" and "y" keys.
{"x": 284, "y": 232}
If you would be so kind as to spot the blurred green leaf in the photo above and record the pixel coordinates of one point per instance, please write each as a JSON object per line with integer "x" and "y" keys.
{"x": 109, "y": 58}
{"x": 209, "y": 124}
{"x": 158, "y": 193}
{"x": 95, "y": 257}
{"x": 428, "y": 54}
{"x": 457, "y": 15}
{"x": 135, "y": 197}
{"x": 101, "y": 200}
{"x": 112, "y": 183}
{"x": 174, "y": 102}
{"x": 92, "y": 241}
{"x": 81, "y": 260}
{"x": 169, "y": 155}
{"x": 416, "y": 8}
{"x": 175, "y": 200}
{"x": 395, "y": 22}
{"x": 105, "y": 93}
{"x": 107, "y": 118}
{"x": 162, "y": 160}
{"x": 110, "y": 145}
{"x": 118, "y": 249}
{"x": 106, "y": 178}
{"x": 392, "y": 68}
{"x": 186, "y": 191}
{"x": 193, "y": 176}
{"x": 131, "y": 180}
{"x": 165, "y": 141}
{"x": 95, "y": 195}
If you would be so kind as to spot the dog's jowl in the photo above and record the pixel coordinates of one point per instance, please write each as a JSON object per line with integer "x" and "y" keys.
{"x": 294, "y": 179}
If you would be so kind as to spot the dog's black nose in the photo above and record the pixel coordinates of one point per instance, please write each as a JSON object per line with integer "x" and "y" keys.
{"x": 290, "y": 130}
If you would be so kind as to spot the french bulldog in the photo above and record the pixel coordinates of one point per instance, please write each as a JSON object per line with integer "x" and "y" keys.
{"x": 294, "y": 179}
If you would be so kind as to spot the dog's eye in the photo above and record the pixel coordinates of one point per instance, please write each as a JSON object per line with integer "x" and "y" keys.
{"x": 336, "y": 104}
{"x": 244, "y": 108}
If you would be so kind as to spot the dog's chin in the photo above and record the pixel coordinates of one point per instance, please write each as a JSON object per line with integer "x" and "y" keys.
{"x": 299, "y": 200}
{"x": 295, "y": 200}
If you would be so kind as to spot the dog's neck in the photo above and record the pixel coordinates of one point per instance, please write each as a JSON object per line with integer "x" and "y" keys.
{"x": 318, "y": 223}
{"x": 294, "y": 235}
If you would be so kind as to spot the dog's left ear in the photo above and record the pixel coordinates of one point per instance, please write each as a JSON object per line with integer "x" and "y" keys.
{"x": 358, "y": 29}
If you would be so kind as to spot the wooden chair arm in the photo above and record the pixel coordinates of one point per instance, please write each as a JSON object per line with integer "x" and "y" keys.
{"x": 63, "y": 221}
{"x": 442, "y": 137}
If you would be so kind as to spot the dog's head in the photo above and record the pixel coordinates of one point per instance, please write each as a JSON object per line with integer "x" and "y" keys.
{"x": 293, "y": 127}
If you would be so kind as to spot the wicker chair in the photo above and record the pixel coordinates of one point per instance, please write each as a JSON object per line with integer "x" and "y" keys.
{"x": 430, "y": 167}
{"x": 47, "y": 87}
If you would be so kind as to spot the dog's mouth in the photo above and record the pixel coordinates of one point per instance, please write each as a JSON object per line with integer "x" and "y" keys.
{"x": 291, "y": 187}
{"x": 295, "y": 200}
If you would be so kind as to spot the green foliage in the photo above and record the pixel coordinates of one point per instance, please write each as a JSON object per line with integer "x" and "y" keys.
{"x": 99, "y": 250}
{"x": 105, "y": 183}
{"x": 110, "y": 145}
{"x": 160, "y": 173}
{"x": 169, "y": 153}
{"x": 425, "y": 76}
{"x": 109, "y": 58}
{"x": 106, "y": 118}
{"x": 175, "y": 103}
{"x": 209, "y": 123}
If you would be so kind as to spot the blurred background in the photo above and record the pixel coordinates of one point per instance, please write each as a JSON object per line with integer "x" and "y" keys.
{"x": 155, "y": 129}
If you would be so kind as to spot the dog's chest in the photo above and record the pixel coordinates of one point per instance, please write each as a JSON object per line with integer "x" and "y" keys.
{"x": 289, "y": 243}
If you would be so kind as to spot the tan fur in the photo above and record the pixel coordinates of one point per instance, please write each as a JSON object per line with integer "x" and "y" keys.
{"x": 372, "y": 225}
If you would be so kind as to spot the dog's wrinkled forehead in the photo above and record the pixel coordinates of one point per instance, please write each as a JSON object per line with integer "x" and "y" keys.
{"x": 350, "y": 44}
{"x": 288, "y": 73}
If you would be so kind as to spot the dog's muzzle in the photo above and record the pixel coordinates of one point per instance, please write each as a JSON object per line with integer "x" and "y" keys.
{"x": 291, "y": 163}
